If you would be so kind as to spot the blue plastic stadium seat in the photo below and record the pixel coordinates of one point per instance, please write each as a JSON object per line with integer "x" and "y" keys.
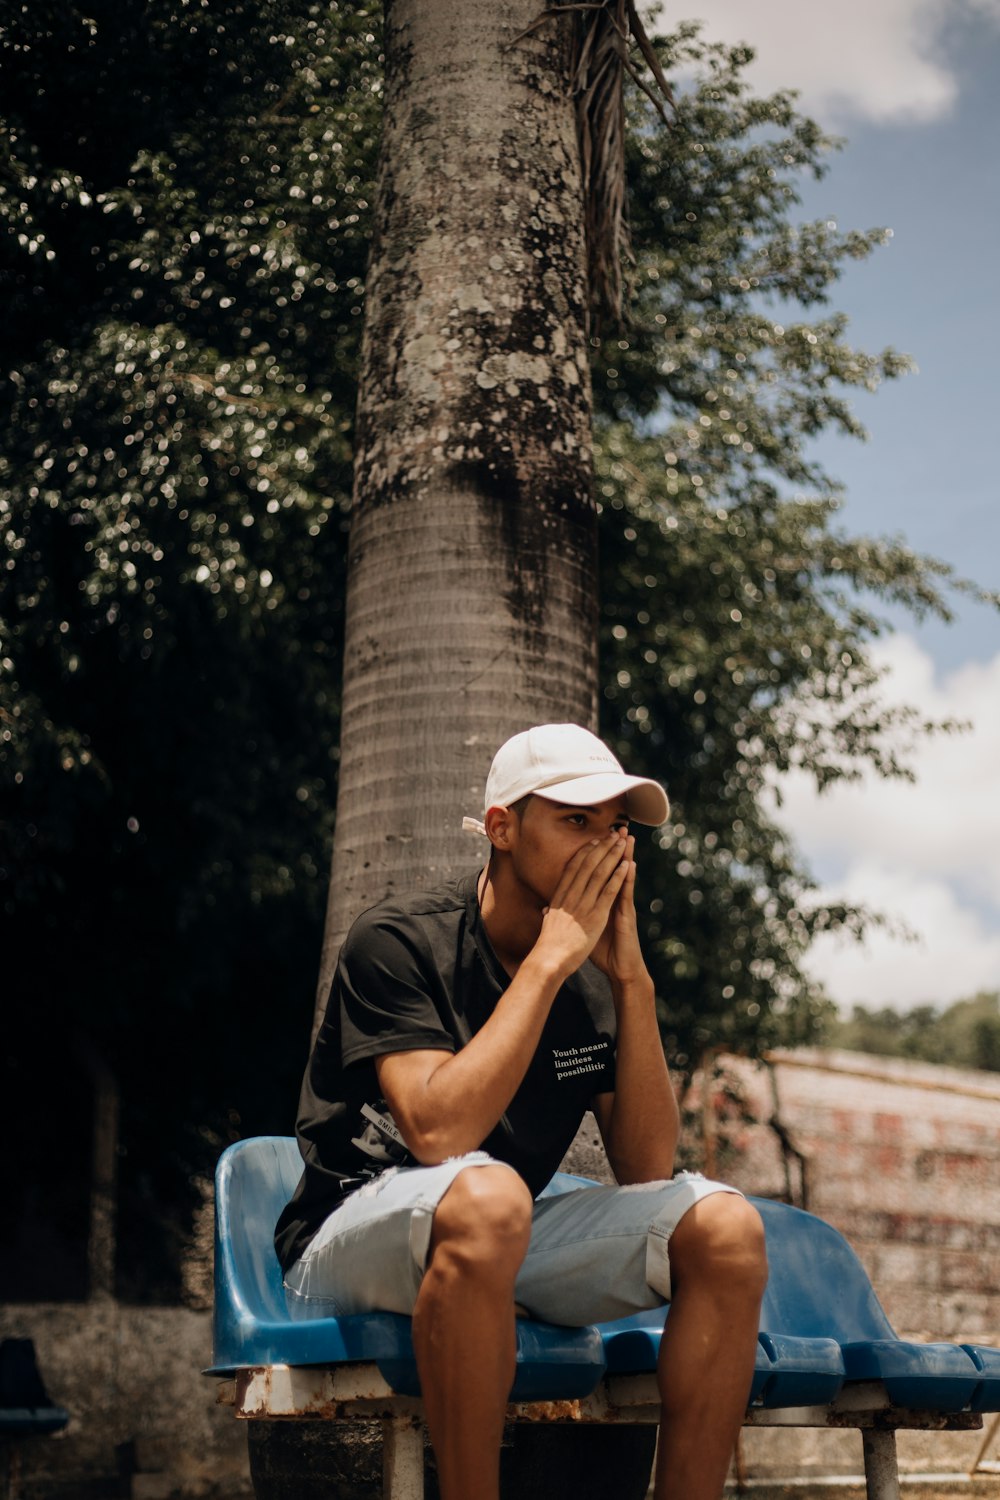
{"x": 790, "y": 1369}
{"x": 927, "y": 1377}
{"x": 797, "y": 1372}
{"x": 799, "y": 1362}
{"x": 32, "y": 1421}
{"x": 254, "y": 1324}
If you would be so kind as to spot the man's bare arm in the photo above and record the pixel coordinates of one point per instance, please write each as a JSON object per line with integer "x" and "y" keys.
{"x": 447, "y": 1104}
{"x": 639, "y": 1122}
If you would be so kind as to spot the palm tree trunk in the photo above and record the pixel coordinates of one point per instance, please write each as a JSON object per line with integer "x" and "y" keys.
{"x": 471, "y": 608}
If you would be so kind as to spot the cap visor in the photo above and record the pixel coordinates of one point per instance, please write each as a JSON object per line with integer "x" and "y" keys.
{"x": 647, "y": 801}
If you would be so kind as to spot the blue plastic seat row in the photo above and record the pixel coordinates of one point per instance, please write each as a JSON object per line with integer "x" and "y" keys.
{"x": 821, "y": 1322}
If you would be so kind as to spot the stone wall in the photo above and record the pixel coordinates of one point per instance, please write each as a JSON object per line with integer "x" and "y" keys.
{"x": 144, "y": 1423}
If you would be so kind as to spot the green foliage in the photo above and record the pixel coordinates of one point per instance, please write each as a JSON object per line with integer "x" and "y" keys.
{"x": 183, "y": 258}
{"x": 963, "y": 1035}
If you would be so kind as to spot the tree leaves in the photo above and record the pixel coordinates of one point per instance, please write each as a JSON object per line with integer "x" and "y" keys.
{"x": 184, "y": 256}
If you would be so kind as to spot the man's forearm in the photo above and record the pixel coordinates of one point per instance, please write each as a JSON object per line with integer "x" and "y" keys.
{"x": 645, "y": 1122}
{"x": 460, "y": 1101}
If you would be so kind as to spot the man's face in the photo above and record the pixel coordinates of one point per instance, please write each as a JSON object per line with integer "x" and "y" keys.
{"x": 547, "y": 835}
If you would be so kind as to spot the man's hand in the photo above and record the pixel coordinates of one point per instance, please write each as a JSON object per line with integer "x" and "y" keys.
{"x": 581, "y": 908}
{"x": 617, "y": 952}
{"x": 639, "y": 1122}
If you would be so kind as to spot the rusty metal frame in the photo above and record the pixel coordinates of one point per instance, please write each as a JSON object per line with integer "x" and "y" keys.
{"x": 352, "y": 1392}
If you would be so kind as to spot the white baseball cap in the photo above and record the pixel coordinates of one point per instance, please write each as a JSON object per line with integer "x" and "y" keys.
{"x": 566, "y": 763}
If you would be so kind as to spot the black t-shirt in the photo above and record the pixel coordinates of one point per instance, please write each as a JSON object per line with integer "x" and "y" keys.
{"x": 419, "y": 972}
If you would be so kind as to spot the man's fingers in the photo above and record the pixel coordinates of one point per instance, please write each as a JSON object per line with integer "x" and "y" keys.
{"x": 629, "y": 888}
{"x": 606, "y": 909}
{"x": 581, "y": 869}
{"x": 605, "y": 894}
{"x": 602, "y": 874}
{"x": 591, "y": 884}
{"x": 569, "y": 874}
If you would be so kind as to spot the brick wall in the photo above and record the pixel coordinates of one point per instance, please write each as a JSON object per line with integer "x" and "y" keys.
{"x": 902, "y": 1157}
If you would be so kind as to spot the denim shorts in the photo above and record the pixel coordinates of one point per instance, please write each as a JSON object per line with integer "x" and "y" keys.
{"x": 596, "y": 1253}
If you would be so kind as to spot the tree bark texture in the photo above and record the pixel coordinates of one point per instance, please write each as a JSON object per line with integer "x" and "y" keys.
{"x": 472, "y": 595}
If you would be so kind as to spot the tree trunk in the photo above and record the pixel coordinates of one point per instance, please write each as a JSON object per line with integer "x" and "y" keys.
{"x": 471, "y": 607}
{"x": 472, "y": 595}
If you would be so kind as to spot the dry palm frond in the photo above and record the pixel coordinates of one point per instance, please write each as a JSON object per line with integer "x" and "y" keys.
{"x": 603, "y": 31}
{"x": 601, "y": 59}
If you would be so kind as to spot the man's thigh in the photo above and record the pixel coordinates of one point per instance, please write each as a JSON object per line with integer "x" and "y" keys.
{"x": 601, "y": 1253}
{"x": 371, "y": 1253}
{"x": 596, "y": 1254}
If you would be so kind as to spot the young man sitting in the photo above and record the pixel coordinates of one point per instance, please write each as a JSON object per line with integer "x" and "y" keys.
{"x": 468, "y": 1030}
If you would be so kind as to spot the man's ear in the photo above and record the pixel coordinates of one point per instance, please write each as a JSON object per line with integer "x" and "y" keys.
{"x": 500, "y": 825}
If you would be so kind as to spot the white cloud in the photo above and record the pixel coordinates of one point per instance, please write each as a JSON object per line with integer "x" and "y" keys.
{"x": 926, "y": 852}
{"x": 879, "y": 60}
{"x": 956, "y": 953}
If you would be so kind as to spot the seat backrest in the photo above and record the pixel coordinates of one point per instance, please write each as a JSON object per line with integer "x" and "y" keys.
{"x": 817, "y": 1287}
{"x": 254, "y": 1179}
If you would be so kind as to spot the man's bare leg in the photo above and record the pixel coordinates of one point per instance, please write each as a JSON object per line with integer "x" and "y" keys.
{"x": 718, "y": 1271}
{"x": 463, "y": 1326}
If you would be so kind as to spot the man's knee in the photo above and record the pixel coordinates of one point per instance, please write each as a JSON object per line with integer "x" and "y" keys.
{"x": 483, "y": 1222}
{"x": 721, "y": 1240}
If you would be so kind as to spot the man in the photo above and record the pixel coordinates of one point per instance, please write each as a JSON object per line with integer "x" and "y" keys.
{"x": 468, "y": 1030}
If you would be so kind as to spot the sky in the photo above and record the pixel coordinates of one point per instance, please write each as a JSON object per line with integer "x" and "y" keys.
{"x": 911, "y": 87}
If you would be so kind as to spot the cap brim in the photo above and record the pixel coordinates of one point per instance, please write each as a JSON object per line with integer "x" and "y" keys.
{"x": 646, "y": 800}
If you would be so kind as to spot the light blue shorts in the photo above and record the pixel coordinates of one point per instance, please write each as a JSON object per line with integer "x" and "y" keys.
{"x": 596, "y": 1254}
